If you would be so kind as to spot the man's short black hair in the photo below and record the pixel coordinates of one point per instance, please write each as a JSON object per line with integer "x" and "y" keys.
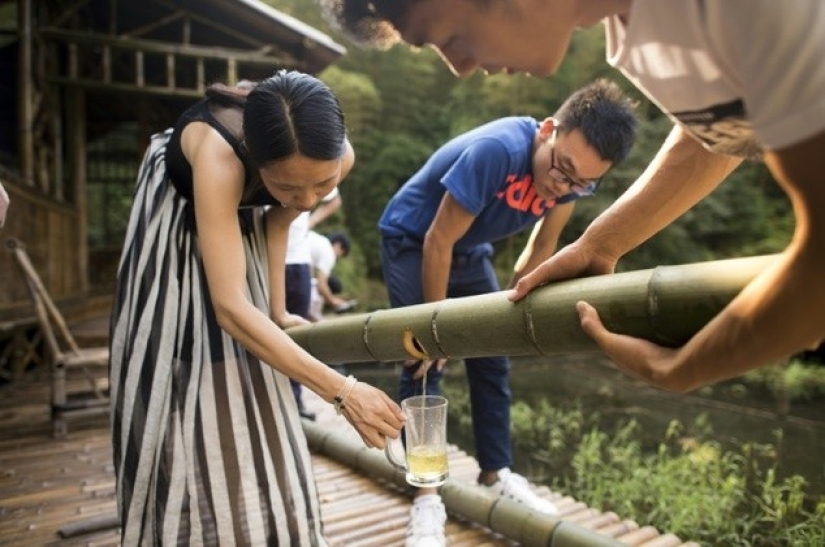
{"x": 340, "y": 239}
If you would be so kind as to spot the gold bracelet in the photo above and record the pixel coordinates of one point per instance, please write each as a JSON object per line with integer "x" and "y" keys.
{"x": 340, "y": 400}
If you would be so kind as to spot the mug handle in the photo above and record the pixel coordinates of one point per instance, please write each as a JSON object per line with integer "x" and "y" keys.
{"x": 390, "y": 452}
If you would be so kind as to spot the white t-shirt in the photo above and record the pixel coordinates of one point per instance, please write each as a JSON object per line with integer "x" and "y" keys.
{"x": 741, "y": 75}
{"x": 297, "y": 248}
{"x": 322, "y": 253}
{"x": 323, "y": 259}
{"x": 316, "y": 302}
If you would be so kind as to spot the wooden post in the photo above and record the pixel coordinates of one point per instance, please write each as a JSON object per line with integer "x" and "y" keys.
{"x": 25, "y": 90}
{"x": 57, "y": 125}
{"x": 200, "y": 84}
{"x": 139, "y": 77}
{"x": 76, "y": 122}
{"x": 231, "y": 71}
{"x": 106, "y": 60}
{"x": 170, "y": 71}
{"x": 74, "y": 63}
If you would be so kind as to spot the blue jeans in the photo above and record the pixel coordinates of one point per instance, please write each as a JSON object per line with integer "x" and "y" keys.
{"x": 471, "y": 274}
{"x": 298, "y": 285}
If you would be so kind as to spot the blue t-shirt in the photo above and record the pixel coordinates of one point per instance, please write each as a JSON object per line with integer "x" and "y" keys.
{"x": 488, "y": 171}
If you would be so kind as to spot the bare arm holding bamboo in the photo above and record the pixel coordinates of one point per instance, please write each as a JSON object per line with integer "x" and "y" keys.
{"x": 680, "y": 175}
{"x": 772, "y": 318}
{"x": 775, "y": 316}
{"x": 450, "y": 223}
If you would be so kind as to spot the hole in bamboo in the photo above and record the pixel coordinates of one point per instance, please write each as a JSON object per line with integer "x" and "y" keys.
{"x": 413, "y": 346}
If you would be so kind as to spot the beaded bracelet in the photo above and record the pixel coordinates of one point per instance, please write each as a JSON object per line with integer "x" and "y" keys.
{"x": 340, "y": 400}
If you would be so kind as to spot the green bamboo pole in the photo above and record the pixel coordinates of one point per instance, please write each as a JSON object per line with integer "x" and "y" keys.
{"x": 666, "y": 305}
{"x": 509, "y": 518}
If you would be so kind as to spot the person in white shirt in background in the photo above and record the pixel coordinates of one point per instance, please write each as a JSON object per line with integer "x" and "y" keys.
{"x": 299, "y": 269}
{"x": 325, "y": 252}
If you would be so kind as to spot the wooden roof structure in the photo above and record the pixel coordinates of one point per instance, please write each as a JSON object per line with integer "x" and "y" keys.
{"x": 83, "y": 70}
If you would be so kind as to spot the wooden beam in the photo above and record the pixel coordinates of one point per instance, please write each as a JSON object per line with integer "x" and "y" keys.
{"x": 25, "y": 90}
{"x": 154, "y": 25}
{"x": 162, "y": 48}
{"x": 68, "y": 12}
{"x": 243, "y": 38}
{"x": 127, "y": 87}
{"x": 76, "y": 122}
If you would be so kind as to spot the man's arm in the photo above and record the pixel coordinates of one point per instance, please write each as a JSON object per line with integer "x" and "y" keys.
{"x": 328, "y": 208}
{"x": 326, "y": 293}
{"x": 543, "y": 240}
{"x": 450, "y": 223}
{"x": 278, "y": 220}
{"x": 682, "y": 173}
{"x": 776, "y": 315}
{"x": 324, "y": 211}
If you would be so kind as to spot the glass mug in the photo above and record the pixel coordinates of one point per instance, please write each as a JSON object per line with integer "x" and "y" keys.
{"x": 425, "y": 436}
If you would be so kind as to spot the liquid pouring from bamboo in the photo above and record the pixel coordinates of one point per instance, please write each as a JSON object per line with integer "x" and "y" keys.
{"x": 425, "y": 454}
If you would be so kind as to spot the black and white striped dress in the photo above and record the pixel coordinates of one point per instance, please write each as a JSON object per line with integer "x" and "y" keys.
{"x": 208, "y": 444}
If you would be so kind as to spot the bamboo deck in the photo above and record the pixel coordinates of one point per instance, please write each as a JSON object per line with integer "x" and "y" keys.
{"x": 46, "y": 484}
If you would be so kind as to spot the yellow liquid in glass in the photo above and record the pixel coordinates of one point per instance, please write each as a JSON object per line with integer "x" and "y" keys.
{"x": 426, "y": 462}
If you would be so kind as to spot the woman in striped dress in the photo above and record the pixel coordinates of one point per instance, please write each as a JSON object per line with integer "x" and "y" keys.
{"x": 208, "y": 444}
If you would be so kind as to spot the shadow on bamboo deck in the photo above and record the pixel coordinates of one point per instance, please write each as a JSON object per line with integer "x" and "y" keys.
{"x": 47, "y": 484}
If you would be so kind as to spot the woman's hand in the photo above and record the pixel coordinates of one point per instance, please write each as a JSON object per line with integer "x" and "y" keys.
{"x": 636, "y": 356}
{"x": 291, "y": 320}
{"x": 373, "y": 415}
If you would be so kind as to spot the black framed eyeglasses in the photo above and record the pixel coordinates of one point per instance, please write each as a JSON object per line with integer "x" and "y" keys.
{"x": 580, "y": 187}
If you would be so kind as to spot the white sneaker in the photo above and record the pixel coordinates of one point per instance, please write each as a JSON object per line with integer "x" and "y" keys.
{"x": 515, "y": 487}
{"x": 427, "y": 520}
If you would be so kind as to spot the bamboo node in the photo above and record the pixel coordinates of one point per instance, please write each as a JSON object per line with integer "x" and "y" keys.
{"x": 434, "y": 327}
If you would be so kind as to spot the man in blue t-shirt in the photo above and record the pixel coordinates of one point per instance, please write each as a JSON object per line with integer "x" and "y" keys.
{"x": 437, "y": 233}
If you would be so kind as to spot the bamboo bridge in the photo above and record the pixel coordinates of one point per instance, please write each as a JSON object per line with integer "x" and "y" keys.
{"x": 61, "y": 491}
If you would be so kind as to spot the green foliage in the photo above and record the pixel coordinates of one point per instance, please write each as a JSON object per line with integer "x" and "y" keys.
{"x": 388, "y": 160}
{"x": 359, "y": 98}
{"x": 687, "y": 484}
{"x": 796, "y": 381}
{"x": 402, "y": 104}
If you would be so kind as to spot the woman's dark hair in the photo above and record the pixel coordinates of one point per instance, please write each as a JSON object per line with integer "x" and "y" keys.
{"x": 292, "y": 113}
{"x": 606, "y": 117}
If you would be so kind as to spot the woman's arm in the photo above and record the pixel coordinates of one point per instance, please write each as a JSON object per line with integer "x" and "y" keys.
{"x": 218, "y": 182}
